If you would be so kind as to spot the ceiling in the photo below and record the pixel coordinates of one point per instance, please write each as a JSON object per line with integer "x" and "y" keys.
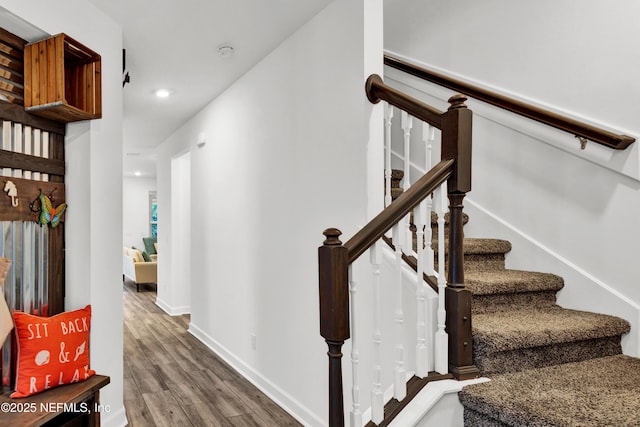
{"x": 174, "y": 45}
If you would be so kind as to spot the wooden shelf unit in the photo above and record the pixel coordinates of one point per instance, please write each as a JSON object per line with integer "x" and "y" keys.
{"x": 47, "y": 408}
{"x": 62, "y": 80}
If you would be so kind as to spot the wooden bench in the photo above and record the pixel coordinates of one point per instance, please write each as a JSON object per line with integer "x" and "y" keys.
{"x": 69, "y": 405}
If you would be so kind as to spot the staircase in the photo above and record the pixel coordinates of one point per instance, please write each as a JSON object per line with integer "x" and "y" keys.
{"x": 549, "y": 366}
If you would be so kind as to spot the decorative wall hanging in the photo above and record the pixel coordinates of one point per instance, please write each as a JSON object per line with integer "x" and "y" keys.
{"x": 47, "y": 212}
{"x": 21, "y": 200}
{"x": 12, "y": 191}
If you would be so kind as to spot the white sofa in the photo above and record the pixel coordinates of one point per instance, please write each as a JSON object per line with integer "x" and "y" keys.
{"x": 136, "y": 269}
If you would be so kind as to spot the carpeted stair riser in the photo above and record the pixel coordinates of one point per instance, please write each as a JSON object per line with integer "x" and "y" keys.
{"x": 500, "y": 302}
{"x": 516, "y": 339}
{"x": 478, "y": 419}
{"x": 475, "y": 262}
{"x": 479, "y": 254}
{"x": 539, "y": 357}
{"x": 502, "y": 289}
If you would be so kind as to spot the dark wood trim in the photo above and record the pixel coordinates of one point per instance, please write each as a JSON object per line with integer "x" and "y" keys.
{"x": 408, "y": 200}
{"x": 567, "y": 124}
{"x": 12, "y": 40}
{"x": 10, "y": 159}
{"x": 393, "y": 408}
{"x": 459, "y": 329}
{"x": 16, "y": 113}
{"x": 334, "y": 315}
{"x": 56, "y": 239}
{"x": 377, "y": 91}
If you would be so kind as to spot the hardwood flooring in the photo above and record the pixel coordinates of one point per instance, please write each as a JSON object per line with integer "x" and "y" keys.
{"x": 172, "y": 379}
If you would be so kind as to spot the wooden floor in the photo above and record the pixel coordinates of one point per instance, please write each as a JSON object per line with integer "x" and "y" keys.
{"x": 172, "y": 379}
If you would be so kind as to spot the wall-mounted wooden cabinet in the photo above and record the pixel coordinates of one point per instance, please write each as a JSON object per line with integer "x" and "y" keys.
{"x": 62, "y": 80}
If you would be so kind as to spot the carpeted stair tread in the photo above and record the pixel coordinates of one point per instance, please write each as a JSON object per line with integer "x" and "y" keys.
{"x": 511, "y": 281}
{"x": 523, "y": 328}
{"x": 592, "y": 393}
{"x": 479, "y": 246}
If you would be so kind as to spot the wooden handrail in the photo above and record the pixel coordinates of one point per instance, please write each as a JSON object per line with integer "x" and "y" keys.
{"x": 408, "y": 200}
{"x": 567, "y": 124}
{"x": 378, "y": 91}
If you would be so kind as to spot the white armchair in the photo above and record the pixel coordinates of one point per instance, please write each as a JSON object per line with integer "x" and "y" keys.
{"x": 136, "y": 269}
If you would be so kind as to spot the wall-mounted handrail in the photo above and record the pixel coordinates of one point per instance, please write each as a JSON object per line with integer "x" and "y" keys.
{"x": 375, "y": 229}
{"x": 567, "y": 124}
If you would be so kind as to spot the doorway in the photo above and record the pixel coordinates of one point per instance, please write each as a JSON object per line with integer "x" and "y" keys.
{"x": 175, "y": 293}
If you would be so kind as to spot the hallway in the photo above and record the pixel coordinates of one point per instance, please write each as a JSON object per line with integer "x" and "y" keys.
{"x": 172, "y": 379}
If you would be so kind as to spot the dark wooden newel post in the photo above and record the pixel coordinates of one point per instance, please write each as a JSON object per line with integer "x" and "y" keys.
{"x": 333, "y": 263}
{"x": 456, "y": 144}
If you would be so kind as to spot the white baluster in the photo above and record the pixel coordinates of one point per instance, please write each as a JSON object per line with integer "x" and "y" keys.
{"x": 45, "y": 152}
{"x": 377, "y": 397}
{"x": 399, "y": 379}
{"x": 37, "y": 147}
{"x": 442, "y": 340}
{"x": 407, "y": 124}
{"x": 23, "y": 137}
{"x": 388, "y": 115}
{"x": 17, "y": 148}
{"x": 6, "y": 143}
{"x": 28, "y": 228}
{"x": 422, "y": 356}
{"x": 428, "y": 135}
{"x": 356, "y": 415}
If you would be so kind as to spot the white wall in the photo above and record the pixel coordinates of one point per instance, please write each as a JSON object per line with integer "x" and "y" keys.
{"x": 568, "y": 211}
{"x": 135, "y": 209}
{"x": 94, "y": 190}
{"x": 286, "y": 157}
{"x": 174, "y": 294}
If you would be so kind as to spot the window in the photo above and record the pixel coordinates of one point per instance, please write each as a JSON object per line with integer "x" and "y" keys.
{"x": 153, "y": 214}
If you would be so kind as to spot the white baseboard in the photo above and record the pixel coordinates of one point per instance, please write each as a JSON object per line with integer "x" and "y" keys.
{"x": 173, "y": 311}
{"x": 275, "y": 393}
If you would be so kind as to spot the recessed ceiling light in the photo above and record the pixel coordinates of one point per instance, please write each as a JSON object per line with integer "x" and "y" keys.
{"x": 225, "y": 50}
{"x": 162, "y": 93}
{"x": 137, "y": 173}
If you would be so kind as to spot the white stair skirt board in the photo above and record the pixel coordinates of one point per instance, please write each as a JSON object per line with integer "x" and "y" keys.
{"x": 437, "y": 404}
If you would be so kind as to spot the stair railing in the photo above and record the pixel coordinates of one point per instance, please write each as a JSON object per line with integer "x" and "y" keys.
{"x": 583, "y": 131}
{"x": 451, "y": 176}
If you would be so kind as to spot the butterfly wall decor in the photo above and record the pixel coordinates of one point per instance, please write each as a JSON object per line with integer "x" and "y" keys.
{"x": 47, "y": 213}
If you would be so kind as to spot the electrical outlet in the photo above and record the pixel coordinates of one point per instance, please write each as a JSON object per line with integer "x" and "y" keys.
{"x": 253, "y": 341}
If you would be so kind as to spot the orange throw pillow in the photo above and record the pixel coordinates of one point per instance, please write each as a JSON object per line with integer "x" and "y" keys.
{"x": 52, "y": 351}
